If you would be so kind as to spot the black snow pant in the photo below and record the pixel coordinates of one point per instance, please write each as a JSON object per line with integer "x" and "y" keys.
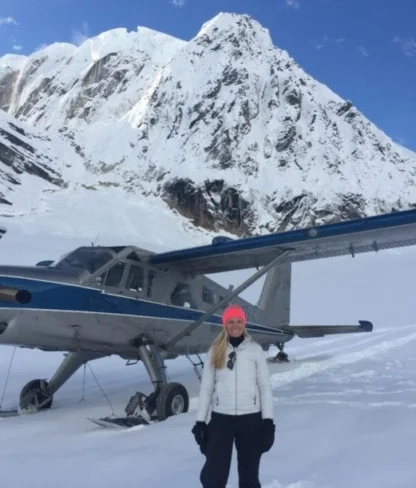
{"x": 223, "y": 430}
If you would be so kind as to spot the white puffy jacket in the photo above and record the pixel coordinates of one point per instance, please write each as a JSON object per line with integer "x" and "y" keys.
{"x": 244, "y": 389}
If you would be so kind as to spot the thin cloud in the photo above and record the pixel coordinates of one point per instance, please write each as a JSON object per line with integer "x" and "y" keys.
{"x": 293, "y": 3}
{"x": 40, "y": 47}
{"x": 407, "y": 45}
{"x": 16, "y": 47}
{"x": 363, "y": 51}
{"x": 400, "y": 140}
{"x": 329, "y": 40}
{"x": 178, "y": 3}
{"x": 7, "y": 20}
{"x": 81, "y": 35}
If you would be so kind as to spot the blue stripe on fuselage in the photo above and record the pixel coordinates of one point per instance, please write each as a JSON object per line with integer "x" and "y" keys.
{"x": 48, "y": 295}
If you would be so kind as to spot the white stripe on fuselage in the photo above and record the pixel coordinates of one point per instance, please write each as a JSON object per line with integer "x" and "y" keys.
{"x": 266, "y": 330}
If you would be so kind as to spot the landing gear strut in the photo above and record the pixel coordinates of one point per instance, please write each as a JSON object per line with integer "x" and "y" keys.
{"x": 166, "y": 400}
{"x": 38, "y": 394}
{"x": 281, "y": 356}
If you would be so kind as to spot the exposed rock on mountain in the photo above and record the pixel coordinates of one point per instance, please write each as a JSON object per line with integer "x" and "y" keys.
{"x": 23, "y": 156}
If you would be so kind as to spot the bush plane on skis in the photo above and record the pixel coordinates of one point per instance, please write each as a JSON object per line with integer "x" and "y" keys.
{"x": 99, "y": 301}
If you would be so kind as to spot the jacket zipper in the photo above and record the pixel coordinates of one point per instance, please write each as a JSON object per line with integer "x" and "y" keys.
{"x": 235, "y": 376}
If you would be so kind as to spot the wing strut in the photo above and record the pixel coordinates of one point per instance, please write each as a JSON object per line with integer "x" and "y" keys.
{"x": 225, "y": 300}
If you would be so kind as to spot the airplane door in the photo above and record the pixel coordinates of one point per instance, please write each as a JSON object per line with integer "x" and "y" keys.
{"x": 113, "y": 278}
{"x": 108, "y": 306}
{"x": 135, "y": 280}
{"x": 110, "y": 283}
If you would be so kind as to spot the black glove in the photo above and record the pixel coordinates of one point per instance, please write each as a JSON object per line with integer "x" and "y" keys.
{"x": 200, "y": 432}
{"x": 267, "y": 434}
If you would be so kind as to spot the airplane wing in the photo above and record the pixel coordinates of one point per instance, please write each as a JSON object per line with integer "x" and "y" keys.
{"x": 2, "y": 231}
{"x": 386, "y": 231}
{"x": 323, "y": 330}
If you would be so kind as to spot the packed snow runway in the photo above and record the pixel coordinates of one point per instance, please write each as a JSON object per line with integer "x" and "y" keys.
{"x": 344, "y": 406}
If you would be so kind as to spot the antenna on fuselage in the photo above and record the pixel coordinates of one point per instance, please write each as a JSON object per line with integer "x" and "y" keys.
{"x": 94, "y": 241}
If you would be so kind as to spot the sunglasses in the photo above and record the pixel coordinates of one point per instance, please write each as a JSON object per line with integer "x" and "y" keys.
{"x": 231, "y": 360}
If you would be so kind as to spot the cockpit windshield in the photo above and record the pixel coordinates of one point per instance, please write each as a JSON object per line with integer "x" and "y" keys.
{"x": 87, "y": 258}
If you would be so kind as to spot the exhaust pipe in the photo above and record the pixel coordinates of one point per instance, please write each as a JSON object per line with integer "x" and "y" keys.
{"x": 15, "y": 296}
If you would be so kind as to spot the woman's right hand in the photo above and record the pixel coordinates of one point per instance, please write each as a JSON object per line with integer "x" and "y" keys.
{"x": 200, "y": 432}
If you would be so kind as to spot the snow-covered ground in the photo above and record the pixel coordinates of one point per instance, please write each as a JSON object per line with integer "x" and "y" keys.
{"x": 344, "y": 406}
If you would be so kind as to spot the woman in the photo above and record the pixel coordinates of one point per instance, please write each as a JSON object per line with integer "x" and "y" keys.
{"x": 235, "y": 382}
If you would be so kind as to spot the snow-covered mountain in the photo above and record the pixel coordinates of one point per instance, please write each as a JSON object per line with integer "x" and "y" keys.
{"x": 225, "y": 128}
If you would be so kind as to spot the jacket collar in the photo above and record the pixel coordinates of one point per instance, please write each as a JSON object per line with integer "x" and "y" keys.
{"x": 246, "y": 342}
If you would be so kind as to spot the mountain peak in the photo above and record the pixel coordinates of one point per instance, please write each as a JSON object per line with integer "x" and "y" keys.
{"x": 227, "y": 20}
{"x": 235, "y": 29}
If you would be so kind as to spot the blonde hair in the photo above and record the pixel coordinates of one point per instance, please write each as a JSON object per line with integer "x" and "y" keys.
{"x": 219, "y": 348}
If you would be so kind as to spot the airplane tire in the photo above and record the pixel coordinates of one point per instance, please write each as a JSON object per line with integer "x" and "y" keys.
{"x": 173, "y": 399}
{"x": 32, "y": 394}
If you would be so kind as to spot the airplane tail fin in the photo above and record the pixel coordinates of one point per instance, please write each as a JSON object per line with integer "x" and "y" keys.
{"x": 3, "y": 230}
{"x": 274, "y": 299}
{"x": 274, "y": 303}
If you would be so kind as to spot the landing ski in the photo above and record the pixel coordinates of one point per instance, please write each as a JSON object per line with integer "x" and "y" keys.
{"x": 119, "y": 422}
{"x": 8, "y": 413}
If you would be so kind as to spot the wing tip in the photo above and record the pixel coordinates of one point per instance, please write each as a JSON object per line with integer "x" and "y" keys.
{"x": 366, "y": 325}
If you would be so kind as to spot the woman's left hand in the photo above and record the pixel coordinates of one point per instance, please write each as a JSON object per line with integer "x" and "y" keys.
{"x": 267, "y": 437}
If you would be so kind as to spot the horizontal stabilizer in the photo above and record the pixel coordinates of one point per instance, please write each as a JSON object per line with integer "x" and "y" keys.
{"x": 2, "y": 232}
{"x": 323, "y": 330}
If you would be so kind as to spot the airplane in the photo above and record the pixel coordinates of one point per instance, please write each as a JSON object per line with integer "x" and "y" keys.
{"x": 97, "y": 301}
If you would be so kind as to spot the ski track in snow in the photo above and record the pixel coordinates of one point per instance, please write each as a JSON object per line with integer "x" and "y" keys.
{"x": 306, "y": 370}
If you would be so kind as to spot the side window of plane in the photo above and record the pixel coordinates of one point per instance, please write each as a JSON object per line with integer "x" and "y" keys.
{"x": 150, "y": 279}
{"x": 182, "y": 296}
{"x": 219, "y": 300}
{"x": 207, "y": 295}
{"x": 135, "y": 279}
{"x": 114, "y": 275}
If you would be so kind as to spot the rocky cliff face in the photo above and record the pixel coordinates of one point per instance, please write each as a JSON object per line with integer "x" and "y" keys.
{"x": 25, "y": 158}
{"x": 226, "y": 128}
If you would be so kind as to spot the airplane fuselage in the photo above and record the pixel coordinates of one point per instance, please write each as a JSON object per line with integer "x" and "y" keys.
{"x": 68, "y": 308}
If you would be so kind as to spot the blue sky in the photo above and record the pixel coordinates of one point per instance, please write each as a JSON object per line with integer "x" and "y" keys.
{"x": 364, "y": 50}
